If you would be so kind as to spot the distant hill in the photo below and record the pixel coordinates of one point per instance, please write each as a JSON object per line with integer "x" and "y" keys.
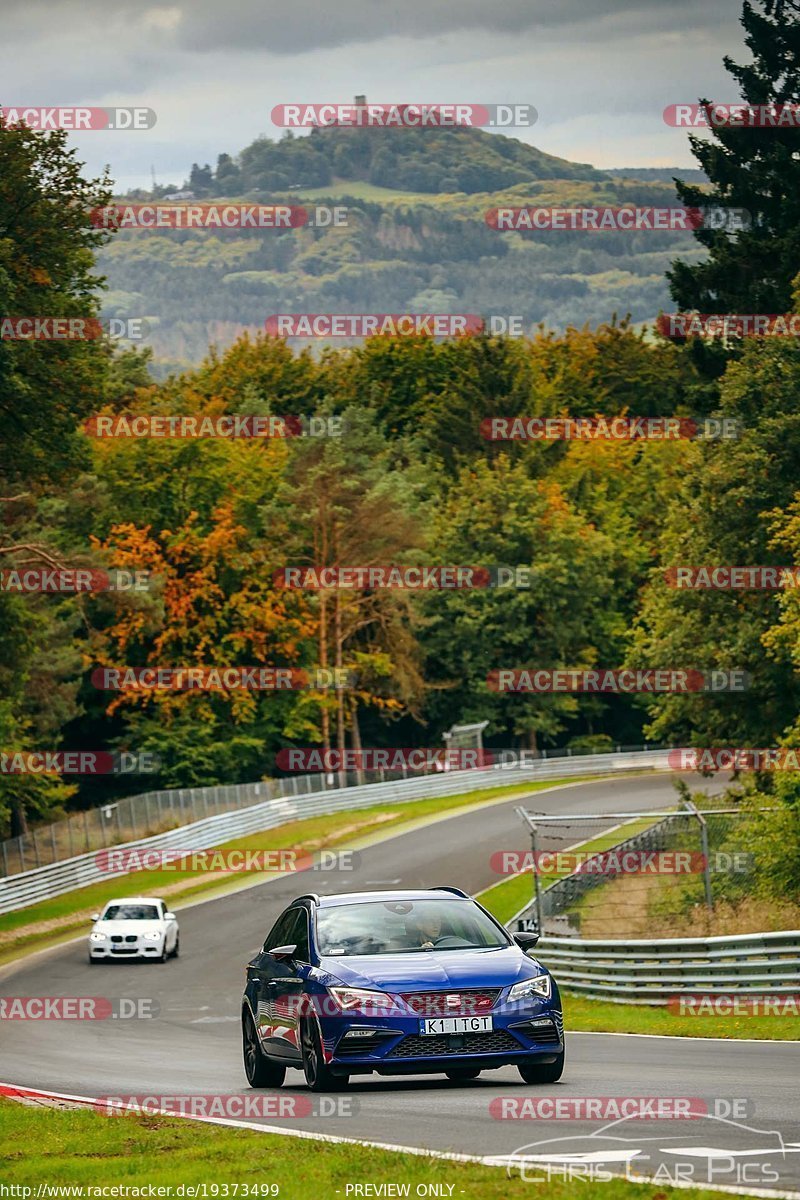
{"x": 662, "y": 174}
{"x": 409, "y": 160}
{"x": 416, "y": 240}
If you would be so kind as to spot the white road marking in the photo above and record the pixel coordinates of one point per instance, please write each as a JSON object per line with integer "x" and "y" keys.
{"x": 683, "y": 1037}
{"x": 717, "y": 1152}
{"x": 590, "y": 1156}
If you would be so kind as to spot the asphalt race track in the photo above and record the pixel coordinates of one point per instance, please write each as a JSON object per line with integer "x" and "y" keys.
{"x": 193, "y": 1045}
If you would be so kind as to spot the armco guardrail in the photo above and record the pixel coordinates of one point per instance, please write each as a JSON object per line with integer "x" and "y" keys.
{"x": 130, "y": 818}
{"x": 43, "y": 883}
{"x": 654, "y": 972}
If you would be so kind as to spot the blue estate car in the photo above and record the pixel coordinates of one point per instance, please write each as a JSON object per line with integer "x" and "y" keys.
{"x": 400, "y": 982}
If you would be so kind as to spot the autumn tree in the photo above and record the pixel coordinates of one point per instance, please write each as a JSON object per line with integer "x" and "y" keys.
{"x": 346, "y": 502}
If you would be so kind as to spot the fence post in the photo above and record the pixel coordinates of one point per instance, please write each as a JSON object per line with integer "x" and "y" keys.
{"x": 21, "y": 855}
{"x": 36, "y": 848}
{"x": 695, "y": 811}
{"x": 86, "y": 829}
{"x": 53, "y": 840}
{"x": 133, "y": 818}
{"x": 69, "y": 835}
{"x": 706, "y": 862}
{"x": 537, "y": 890}
{"x": 5, "y": 859}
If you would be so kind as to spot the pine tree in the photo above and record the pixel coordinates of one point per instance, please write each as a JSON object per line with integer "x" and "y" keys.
{"x": 756, "y": 169}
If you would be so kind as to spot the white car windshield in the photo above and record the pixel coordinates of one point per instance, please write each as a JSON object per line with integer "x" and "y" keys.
{"x": 131, "y": 912}
{"x": 405, "y": 926}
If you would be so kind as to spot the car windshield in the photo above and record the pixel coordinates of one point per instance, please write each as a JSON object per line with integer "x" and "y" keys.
{"x": 130, "y": 912}
{"x": 405, "y": 926}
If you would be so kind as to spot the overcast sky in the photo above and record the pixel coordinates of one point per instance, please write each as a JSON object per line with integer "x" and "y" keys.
{"x": 599, "y": 72}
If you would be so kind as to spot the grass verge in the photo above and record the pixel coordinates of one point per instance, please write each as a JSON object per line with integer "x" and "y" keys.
{"x": 71, "y": 1147}
{"x": 51, "y": 921}
{"x": 603, "y": 1016}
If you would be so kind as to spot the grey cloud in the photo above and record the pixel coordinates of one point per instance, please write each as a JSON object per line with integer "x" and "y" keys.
{"x": 283, "y": 28}
{"x": 278, "y": 27}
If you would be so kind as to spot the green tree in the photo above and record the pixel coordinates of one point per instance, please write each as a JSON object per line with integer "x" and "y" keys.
{"x": 497, "y": 514}
{"x": 754, "y": 169}
{"x": 724, "y": 513}
{"x": 47, "y": 246}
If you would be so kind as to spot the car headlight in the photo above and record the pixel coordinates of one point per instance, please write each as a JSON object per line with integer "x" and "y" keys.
{"x": 530, "y": 989}
{"x": 151, "y": 935}
{"x": 349, "y": 999}
{"x": 98, "y": 937}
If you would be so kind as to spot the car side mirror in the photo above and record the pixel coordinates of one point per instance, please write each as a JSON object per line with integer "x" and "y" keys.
{"x": 170, "y": 917}
{"x": 282, "y": 952}
{"x": 94, "y": 917}
{"x": 525, "y": 941}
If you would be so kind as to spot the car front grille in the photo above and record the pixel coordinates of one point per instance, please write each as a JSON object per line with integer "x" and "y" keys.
{"x": 472, "y": 1002}
{"x": 497, "y": 1041}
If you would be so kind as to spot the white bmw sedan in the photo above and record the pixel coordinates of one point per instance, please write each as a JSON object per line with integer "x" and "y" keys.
{"x": 137, "y": 927}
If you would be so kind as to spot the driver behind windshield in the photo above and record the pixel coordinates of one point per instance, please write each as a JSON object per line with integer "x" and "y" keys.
{"x": 429, "y": 929}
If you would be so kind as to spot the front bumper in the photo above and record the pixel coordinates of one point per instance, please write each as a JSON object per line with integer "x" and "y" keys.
{"x": 136, "y": 949}
{"x": 392, "y": 1044}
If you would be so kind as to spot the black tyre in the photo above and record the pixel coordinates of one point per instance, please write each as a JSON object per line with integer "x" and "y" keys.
{"x": 542, "y": 1072}
{"x": 163, "y": 956}
{"x": 461, "y": 1074}
{"x": 319, "y": 1076}
{"x": 260, "y": 1070}
{"x": 177, "y": 947}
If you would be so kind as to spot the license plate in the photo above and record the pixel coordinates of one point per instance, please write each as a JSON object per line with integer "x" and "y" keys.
{"x": 435, "y": 1025}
